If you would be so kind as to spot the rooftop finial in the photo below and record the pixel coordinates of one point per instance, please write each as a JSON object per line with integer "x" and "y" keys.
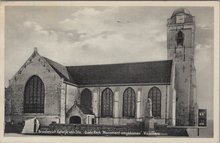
{"x": 35, "y": 49}
{"x": 75, "y": 102}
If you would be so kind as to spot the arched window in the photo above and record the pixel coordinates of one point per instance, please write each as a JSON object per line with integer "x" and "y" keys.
{"x": 34, "y": 94}
{"x": 155, "y": 96}
{"x": 86, "y": 98}
{"x": 180, "y": 38}
{"x": 107, "y": 103}
{"x": 129, "y": 103}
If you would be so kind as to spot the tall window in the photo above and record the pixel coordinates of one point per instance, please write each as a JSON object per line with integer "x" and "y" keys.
{"x": 107, "y": 103}
{"x": 155, "y": 96}
{"x": 180, "y": 38}
{"x": 129, "y": 103}
{"x": 86, "y": 98}
{"x": 34, "y": 94}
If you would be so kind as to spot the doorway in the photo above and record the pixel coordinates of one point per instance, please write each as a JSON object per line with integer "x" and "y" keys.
{"x": 75, "y": 120}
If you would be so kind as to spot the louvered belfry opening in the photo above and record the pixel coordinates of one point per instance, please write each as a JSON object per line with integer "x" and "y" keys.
{"x": 34, "y": 95}
{"x": 180, "y": 38}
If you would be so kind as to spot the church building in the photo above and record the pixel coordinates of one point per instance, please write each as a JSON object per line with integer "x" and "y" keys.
{"x": 111, "y": 94}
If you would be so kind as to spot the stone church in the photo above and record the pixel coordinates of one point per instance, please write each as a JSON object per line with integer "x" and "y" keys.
{"x": 111, "y": 94}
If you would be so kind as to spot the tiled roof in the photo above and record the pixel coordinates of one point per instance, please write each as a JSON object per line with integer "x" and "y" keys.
{"x": 156, "y": 72}
{"x": 144, "y": 72}
{"x": 84, "y": 109}
{"x": 60, "y": 69}
{"x": 81, "y": 108}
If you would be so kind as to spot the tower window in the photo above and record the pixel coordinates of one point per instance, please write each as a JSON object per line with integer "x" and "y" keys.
{"x": 180, "y": 38}
{"x": 129, "y": 103}
{"x": 107, "y": 103}
{"x": 34, "y": 95}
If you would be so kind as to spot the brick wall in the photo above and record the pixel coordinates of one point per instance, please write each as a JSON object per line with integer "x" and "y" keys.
{"x": 35, "y": 65}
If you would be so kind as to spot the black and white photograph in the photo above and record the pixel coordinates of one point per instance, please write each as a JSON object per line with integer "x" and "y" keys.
{"x": 109, "y": 71}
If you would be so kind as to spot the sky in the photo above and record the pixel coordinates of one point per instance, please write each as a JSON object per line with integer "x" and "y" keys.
{"x": 105, "y": 35}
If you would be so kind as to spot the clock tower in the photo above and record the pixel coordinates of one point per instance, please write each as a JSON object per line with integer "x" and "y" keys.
{"x": 180, "y": 48}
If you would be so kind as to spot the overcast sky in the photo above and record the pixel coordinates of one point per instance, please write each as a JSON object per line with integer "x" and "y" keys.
{"x": 102, "y": 35}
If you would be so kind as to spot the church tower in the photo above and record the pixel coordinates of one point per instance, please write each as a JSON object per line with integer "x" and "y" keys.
{"x": 180, "y": 48}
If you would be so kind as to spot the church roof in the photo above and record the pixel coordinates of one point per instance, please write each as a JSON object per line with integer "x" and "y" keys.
{"x": 127, "y": 73}
{"x": 154, "y": 72}
{"x": 83, "y": 109}
{"x": 60, "y": 69}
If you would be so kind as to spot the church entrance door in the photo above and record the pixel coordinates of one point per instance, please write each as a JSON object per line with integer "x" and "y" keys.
{"x": 75, "y": 120}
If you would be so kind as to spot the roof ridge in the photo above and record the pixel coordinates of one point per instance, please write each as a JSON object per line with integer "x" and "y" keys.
{"x": 121, "y": 63}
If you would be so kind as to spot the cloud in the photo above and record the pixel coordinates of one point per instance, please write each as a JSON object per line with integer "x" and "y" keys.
{"x": 107, "y": 30}
{"x": 86, "y": 12}
{"x": 203, "y": 57}
{"x": 110, "y": 20}
{"x": 36, "y": 27}
{"x": 205, "y": 26}
{"x": 88, "y": 21}
{"x": 203, "y": 46}
{"x": 100, "y": 34}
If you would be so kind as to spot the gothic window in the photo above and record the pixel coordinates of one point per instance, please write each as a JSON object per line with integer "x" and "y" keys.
{"x": 129, "y": 103}
{"x": 155, "y": 96}
{"x": 86, "y": 98}
{"x": 180, "y": 38}
{"x": 107, "y": 103}
{"x": 34, "y": 94}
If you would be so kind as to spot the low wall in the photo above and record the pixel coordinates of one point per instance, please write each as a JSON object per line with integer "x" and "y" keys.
{"x": 13, "y": 128}
{"x": 102, "y": 130}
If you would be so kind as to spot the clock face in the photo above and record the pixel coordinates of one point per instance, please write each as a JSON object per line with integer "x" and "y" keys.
{"x": 180, "y": 19}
